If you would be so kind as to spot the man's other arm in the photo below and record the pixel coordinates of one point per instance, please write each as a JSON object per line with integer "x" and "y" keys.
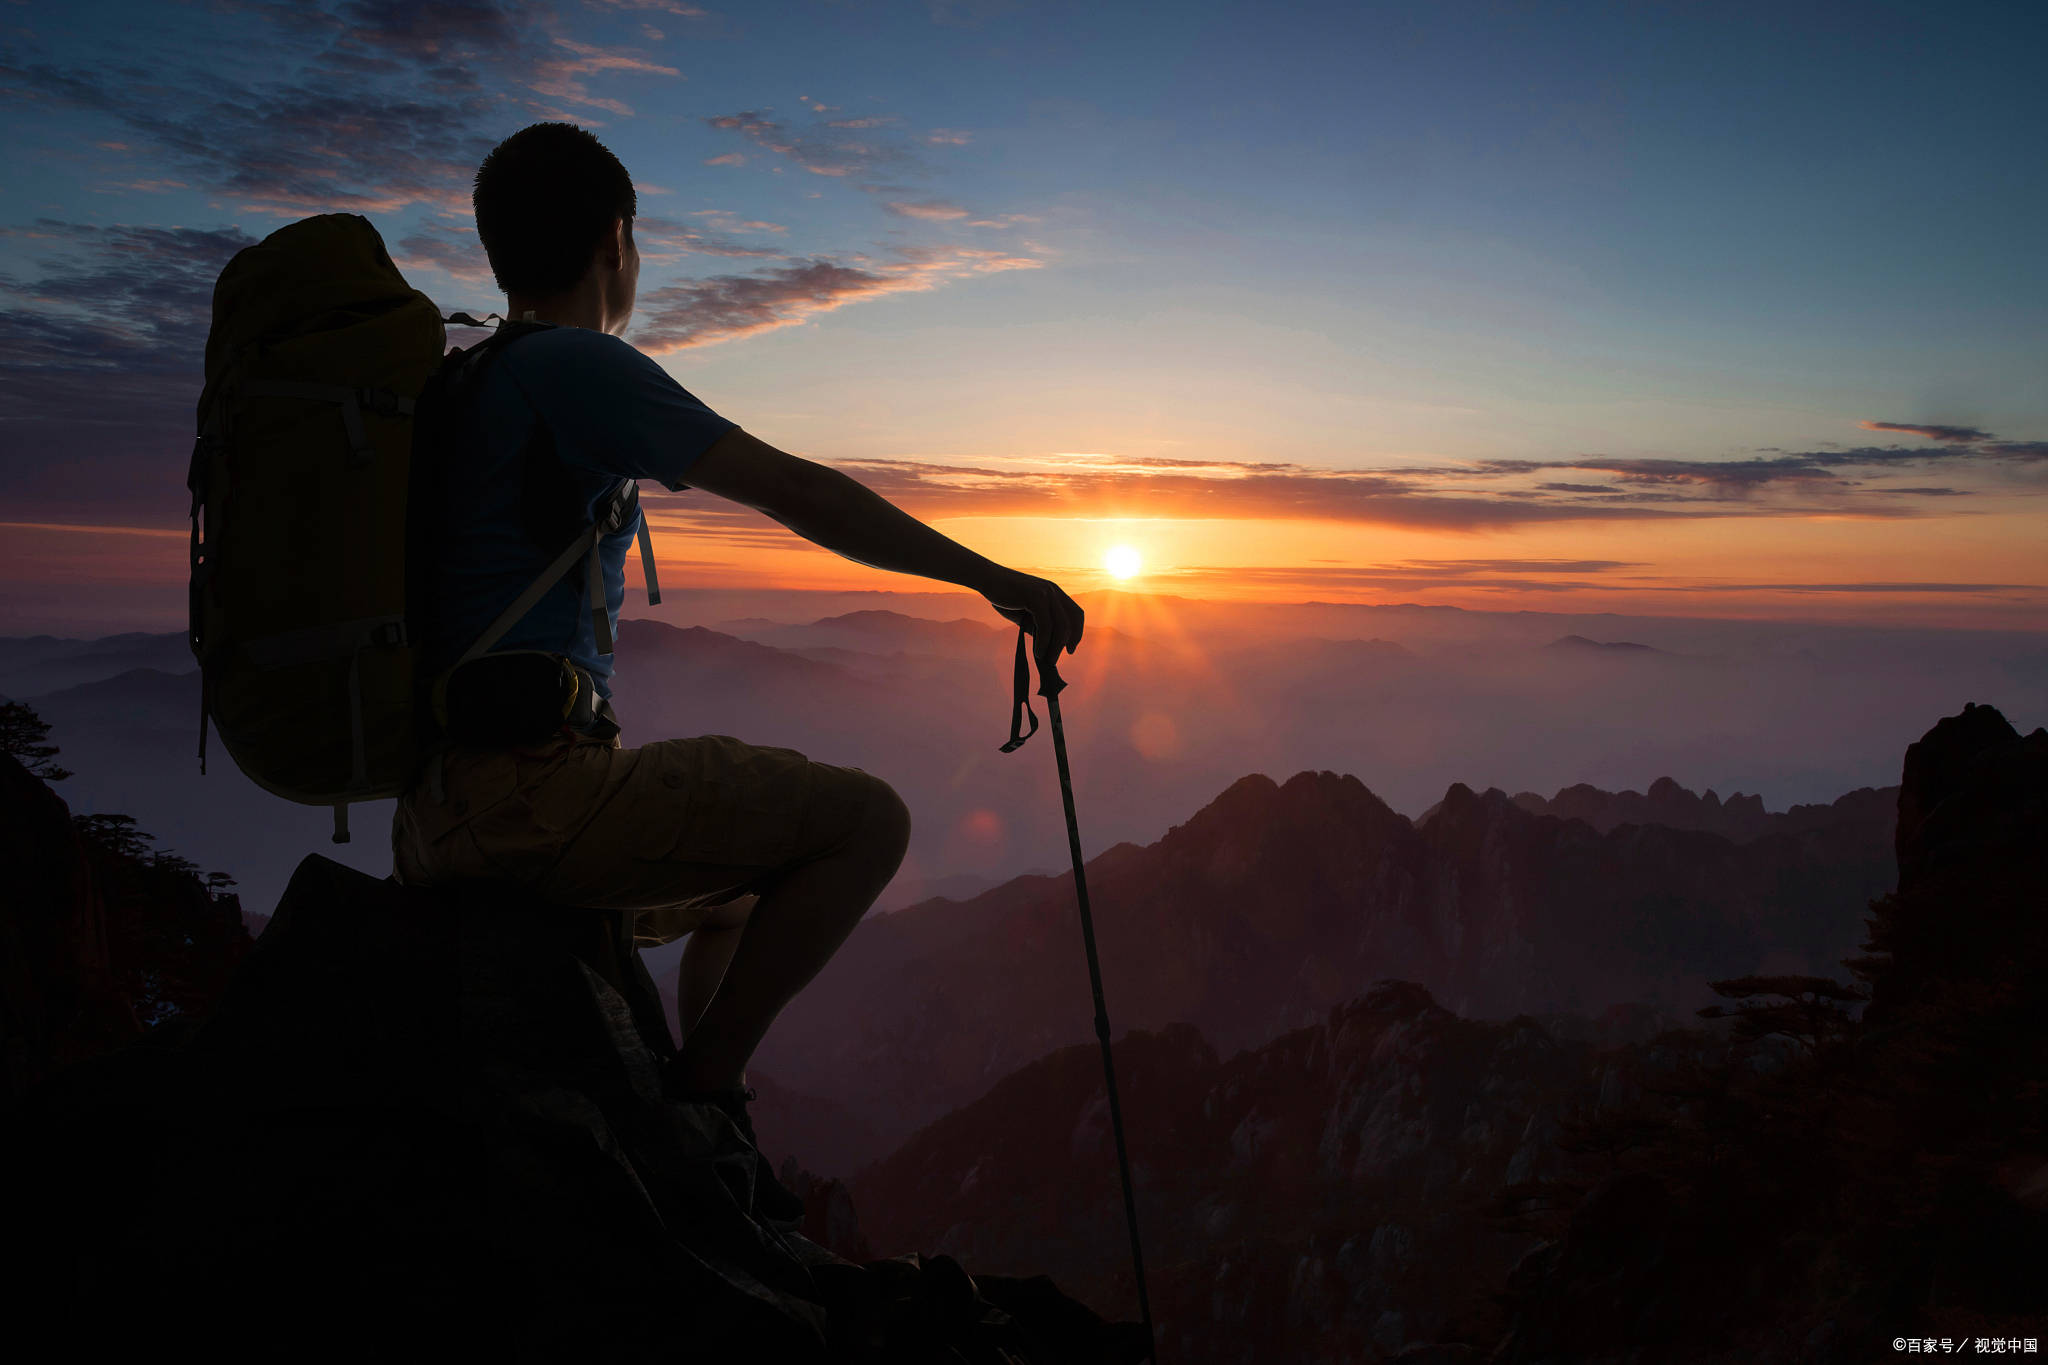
{"x": 846, "y": 517}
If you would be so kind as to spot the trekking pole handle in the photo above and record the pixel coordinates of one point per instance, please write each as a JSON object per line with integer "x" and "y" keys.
{"x": 1049, "y": 680}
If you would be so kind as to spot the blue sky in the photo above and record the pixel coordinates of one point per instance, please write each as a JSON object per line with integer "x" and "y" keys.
{"x": 1391, "y": 242}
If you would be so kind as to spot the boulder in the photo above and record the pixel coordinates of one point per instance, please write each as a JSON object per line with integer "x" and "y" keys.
{"x": 434, "y": 1122}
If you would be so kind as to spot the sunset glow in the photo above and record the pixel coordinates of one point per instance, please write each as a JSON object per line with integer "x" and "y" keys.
{"x": 1121, "y": 562}
{"x": 1574, "y": 350}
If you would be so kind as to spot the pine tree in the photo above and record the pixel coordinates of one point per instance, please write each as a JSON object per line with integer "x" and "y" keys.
{"x": 1807, "y": 1009}
{"x": 24, "y": 734}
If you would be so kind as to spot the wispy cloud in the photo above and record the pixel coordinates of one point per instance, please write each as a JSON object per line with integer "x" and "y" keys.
{"x": 1931, "y": 431}
{"x": 373, "y": 106}
{"x": 657, "y": 235}
{"x": 1481, "y": 495}
{"x": 1419, "y": 578}
{"x": 822, "y": 149}
{"x": 454, "y": 252}
{"x": 930, "y": 210}
{"x": 728, "y": 307}
{"x": 113, "y": 333}
{"x": 558, "y": 77}
{"x": 682, "y": 9}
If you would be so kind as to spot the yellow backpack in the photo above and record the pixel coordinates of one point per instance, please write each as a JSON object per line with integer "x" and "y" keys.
{"x": 321, "y": 364}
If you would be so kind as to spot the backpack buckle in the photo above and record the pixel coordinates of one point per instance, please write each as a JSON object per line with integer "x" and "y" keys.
{"x": 384, "y": 402}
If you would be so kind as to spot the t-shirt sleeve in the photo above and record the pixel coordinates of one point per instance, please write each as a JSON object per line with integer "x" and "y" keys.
{"x": 611, "y": 408}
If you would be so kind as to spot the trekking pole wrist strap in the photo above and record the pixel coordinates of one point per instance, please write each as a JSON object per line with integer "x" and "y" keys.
{"x": 1021, "y": 704}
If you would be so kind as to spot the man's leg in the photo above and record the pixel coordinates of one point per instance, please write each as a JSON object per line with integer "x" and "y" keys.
{"x": 706, "y": 953}
{"x": 796, "y": 926}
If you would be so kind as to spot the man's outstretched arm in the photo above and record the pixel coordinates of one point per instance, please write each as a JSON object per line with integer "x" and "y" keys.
{"x": 846, "y": 517}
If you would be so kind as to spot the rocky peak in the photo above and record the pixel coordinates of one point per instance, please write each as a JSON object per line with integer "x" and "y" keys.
{"x": 1965, "y": 782}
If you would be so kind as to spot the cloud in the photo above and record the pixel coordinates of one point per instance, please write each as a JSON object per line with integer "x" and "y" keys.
{"x": 1452, "y": 497}
{"x": 727, "y": 307}
{"x": 373, "y": 108}
{"x": 366, "y": 106}
{"x": 948, "y": 137}
{"x": 119, "y": 331}
{"x": 1930, "y": 431}
{"x": 1539, "y": 566}
{"x": 725, "y": 220}
{"x": 668, "y": 234}
{"x": 680, "y": 8}
{"x": 100, "y": 375}
{"x": 1416, "y": 576}
{"x": 557, "y": 77}
{"x": 729, "y": 159}
{"x": 1813, "y": 470}
{"x": 1873, "y": 587}
{"x": 930, "y": 210}
{"x": 458, "y": 254}
{"x": 822, "y": 150}
{"x": 1093, "y": 486}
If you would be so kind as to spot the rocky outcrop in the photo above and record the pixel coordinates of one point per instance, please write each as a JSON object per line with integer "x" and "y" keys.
{"x": 1810, "y": 1207}
{"x": 102, "y": 941}
{"x": 434, "y": 1124}
{"x": 59, "y": 997}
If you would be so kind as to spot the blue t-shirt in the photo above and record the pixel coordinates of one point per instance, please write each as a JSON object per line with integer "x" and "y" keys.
{"x": 613, "y": 413}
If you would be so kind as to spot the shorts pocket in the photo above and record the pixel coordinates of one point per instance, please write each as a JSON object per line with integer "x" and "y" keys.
{"x": 733, "y": 803}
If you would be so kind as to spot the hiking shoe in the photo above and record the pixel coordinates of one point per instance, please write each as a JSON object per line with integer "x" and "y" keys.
{"x": 772, "y": 1199}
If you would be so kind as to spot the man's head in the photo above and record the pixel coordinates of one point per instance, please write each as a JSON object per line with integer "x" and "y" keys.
{"x": 555, "y": 211}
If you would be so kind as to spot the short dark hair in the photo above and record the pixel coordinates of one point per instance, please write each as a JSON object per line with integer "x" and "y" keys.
{"x": 545, "y": 198}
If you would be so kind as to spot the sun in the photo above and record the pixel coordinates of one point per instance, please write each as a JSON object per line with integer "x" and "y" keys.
{"x": 1122, "y": 562}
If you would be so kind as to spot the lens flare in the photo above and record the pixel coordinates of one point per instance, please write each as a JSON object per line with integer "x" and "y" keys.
{"x": 1122, "y": 562}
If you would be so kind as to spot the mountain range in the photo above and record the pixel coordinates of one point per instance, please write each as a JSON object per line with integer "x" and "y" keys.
{"x": 1276, "y": 901}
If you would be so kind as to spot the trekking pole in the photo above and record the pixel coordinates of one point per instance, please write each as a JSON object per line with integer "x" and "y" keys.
{"x": 1049, "y": 685}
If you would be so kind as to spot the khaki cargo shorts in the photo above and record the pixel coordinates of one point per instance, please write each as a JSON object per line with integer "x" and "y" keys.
{"x": 673, "y": 830}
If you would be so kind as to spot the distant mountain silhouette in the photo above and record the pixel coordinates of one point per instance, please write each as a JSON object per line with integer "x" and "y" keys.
{"x": 1580, "y": 644}
{"x": 888, "y": 632}
{"x": 40, "y": 664}
{"x": 1277, "y": 901}
{"x": 1868, "y": 813}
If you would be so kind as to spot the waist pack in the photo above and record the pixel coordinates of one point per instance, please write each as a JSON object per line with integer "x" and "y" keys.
{"x": 321, "y": 427}
{"x": 521, "y": 697}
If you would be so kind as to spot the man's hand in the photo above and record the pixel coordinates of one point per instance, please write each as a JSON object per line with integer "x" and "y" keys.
{"x": 1037, "y": 604}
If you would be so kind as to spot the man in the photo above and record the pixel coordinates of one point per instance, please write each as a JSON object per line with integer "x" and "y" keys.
{"x": 765, "y": 859}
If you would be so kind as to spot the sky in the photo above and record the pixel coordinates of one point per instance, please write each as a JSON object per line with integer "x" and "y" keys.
{"x": 1663, "y": 308}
